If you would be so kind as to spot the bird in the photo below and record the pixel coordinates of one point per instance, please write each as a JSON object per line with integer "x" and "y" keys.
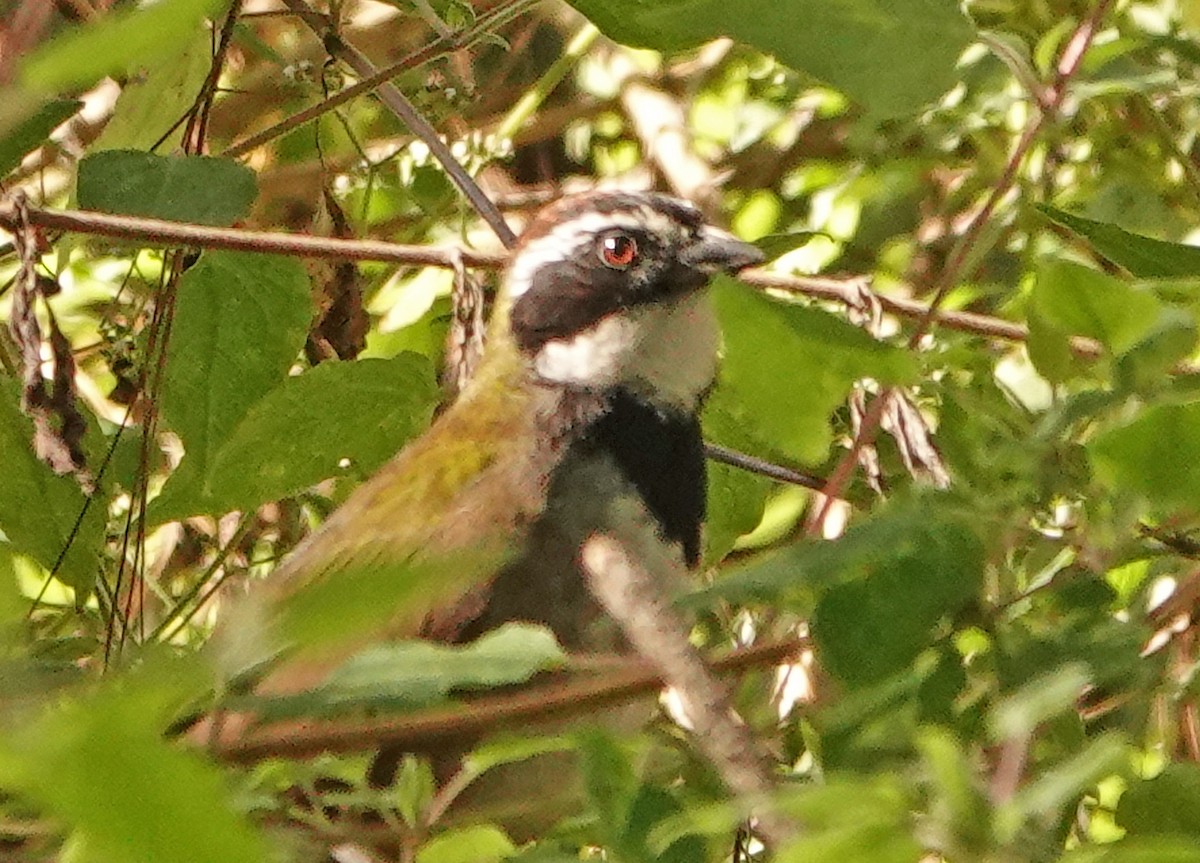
{"x": 582, "y": 417}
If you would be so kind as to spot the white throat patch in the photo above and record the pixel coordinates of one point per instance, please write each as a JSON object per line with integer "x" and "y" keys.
{"x": 665, "y": 353}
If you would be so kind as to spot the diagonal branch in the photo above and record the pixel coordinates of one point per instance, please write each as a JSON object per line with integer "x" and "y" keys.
{"x": 440, "y": 46}
{"x": 398, "y": 104}
{"x": 630, "y": 590}
{"x": 969, "y": 244}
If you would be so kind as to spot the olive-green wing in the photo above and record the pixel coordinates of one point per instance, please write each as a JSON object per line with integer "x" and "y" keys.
{"x": 424, "y": 533}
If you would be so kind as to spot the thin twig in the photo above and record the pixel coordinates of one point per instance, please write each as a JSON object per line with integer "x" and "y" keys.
{"x": 968, "y": 245}
{"x": 431, "y": 51}
{"x": 398, "y": 104}
{"x": 752, "y": 464}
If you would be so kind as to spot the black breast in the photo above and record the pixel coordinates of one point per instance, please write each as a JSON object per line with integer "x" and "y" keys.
{"x": 662, "y": 455}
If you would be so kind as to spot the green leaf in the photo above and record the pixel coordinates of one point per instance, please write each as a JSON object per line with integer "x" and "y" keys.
{"x": 776, "y": 245}
{"x": 413, "y": 789}
{"x": 862, "y": 47}
{"x": 1156, "y": 454}
{"x": 161, "y": 92}
{"x": 789, "y": 366}
{"x": 850, "y": 819}
{"x": 736, "y": 498}
{"x": 240, "y": 320}
{"x": 38, "y": 509}
{"x": 1168, "y": 343}
{"x": 609, "y": 778}
{"x": 1142, "y": 256}
{"x": 1050, "y": 349}
{"x": 101, "y": 765}
{"x": 1063, "y": 784}
{"x": 205, "y": 190}
{"x": 480, "y": 844}
{"x": 81, "y": 55}
{"x": 871, "y": 628}
{"x": 651, "y": 807}
{"x": 32, "y": 132}
{"x": 418, "y": 673}
{"x": 959, "y": 798}
{"x": 1166, "y": 849}
{"x": 791, "y": 576}
{"x": 1019, "y": 714}
{"x": 1077, "y": 300}
{"x": 369, "y": 594}
{"x": 1167, "y": 804}
{"x": 381, "y": 404}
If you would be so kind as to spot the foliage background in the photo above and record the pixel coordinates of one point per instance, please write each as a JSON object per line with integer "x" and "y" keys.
{"x": 994, "y": 656}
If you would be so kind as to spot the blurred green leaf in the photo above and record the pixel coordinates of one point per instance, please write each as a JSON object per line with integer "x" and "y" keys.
{"x": 776, "y": 245}
{"x": 240, "y": 320}
{"x": 850, "y": 819}
{"x": 82, "y": 54}
{"x": 1156, "y": 454}
{"x": 1165, "y": 805}
{"x": 1173, "y": 849}
{"x": 1168, "y": 343}
{"x": 870, "y": 628}
{"x": 100, "y": 764}
{"x": 161, "y": 92}
{"x": 1063, "y": 784}
{"x": 479, "y": 844}
{"x": 205, "y": 190}
{"x": 736, "y": 498}
{"x": 39, "y": 510}
{"x": 1019, "y": 714}
{"x": 369, "y": 595}
{"x": 789, "y": 391}
{"x": 1078, "y": 300}
{"x": 791, "y": 576}
{"x": 413, "y": 789}
{"x": 653, "y": 806}
{"x": 1142, "y": 256}
{"x": 418, "y": 673}
{"x": 32, "y": 132}
{"x": 960, "y": 804}
{"x": 263, "y": 459}
{"x": 609, "y": 779}
{"x": 861, "y": 47}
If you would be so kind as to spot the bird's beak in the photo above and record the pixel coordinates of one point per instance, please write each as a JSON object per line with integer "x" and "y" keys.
{"x": 719, "y": 251}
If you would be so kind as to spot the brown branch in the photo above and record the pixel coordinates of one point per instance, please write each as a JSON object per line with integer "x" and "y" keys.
{"x": 162, "y": 232}
{"x": 630, "y": 589}
{"x": 166, "y": 233}
{"x": 968, "y": 245}
{"x": 424, "y": 729}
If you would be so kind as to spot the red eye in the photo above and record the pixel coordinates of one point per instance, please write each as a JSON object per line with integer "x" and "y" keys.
{"x": 618, "y": 250}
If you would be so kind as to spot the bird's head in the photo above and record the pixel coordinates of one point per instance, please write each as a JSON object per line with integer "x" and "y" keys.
{"x": 604, "y": 292}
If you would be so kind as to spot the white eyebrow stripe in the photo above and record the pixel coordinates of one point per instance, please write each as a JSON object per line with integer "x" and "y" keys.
{"x": 561, "y": 242}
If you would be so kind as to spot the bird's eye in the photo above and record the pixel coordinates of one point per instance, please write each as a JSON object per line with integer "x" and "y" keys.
{"x": 618, "y": 250}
